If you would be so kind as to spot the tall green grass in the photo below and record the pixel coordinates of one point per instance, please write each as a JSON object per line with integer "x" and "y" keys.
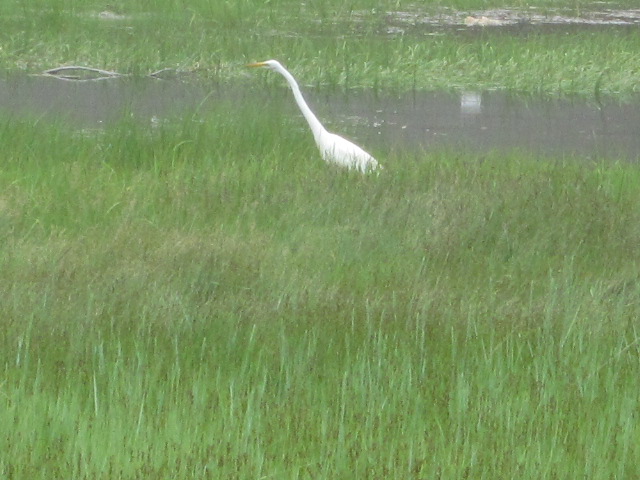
{"x": 208, "y": 299}
{"x": 358, "y": 44}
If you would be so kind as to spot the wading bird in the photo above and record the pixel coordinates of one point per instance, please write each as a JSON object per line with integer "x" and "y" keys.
{"x": 333, "y": 148}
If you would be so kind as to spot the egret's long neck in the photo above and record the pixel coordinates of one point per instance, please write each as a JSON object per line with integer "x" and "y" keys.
{"x": 312, "y": 120}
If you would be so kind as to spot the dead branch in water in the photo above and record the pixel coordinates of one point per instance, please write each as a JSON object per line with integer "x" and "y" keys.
{"x": 88, "y": 74}
{"x": 63, "y": 73}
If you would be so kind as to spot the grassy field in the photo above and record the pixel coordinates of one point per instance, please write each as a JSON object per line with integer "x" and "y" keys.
{"x": 207, "y": 299}
{"x": 326, "y": 43}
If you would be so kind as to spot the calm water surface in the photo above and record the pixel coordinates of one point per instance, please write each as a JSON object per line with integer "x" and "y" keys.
{"x": 472, "y": 121}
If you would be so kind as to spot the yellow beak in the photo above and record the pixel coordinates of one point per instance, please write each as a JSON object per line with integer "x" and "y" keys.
{"x": 258, "y": 64}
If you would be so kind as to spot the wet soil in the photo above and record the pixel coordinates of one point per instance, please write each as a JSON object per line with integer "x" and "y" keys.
{"x": 513, "y": 20}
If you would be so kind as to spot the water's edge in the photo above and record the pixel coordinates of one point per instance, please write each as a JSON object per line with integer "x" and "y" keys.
{"x": 384, "y": 122}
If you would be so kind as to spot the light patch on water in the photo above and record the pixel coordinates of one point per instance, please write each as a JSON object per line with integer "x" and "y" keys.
{"x": 471, "y": 103}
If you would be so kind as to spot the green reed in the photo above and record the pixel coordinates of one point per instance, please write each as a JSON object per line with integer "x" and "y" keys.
{"x": 208, "y": 299}
{"x": 361, "y": 44}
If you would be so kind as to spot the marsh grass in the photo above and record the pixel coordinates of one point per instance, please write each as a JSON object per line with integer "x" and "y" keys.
{"x": 327, "y": 43}
{"x": 207, "y": 299}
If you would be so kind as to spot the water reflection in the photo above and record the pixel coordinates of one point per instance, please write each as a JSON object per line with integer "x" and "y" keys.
{"x": 97, "y": 103}
{"x": 499, "y": 121}
{"x": 473, "y": 121}
{"x": 471, "y": 103}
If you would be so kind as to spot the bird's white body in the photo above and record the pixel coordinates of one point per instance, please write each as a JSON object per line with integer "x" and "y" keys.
{"x": 342, "y": 152}
{"x": 333, "y": 148}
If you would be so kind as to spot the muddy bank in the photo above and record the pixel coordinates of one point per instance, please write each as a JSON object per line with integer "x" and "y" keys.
{"x": 511, "y": 20}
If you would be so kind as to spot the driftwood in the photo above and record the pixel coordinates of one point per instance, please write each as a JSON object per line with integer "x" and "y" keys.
{"x": 88, "y": 74}
{"x": 77, "y": 73}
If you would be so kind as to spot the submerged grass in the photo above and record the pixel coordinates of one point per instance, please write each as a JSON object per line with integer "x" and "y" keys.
{"x": 207, "y": 299}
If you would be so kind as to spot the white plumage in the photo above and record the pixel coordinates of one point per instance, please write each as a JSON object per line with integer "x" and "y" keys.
{"x": 333, "y": 148}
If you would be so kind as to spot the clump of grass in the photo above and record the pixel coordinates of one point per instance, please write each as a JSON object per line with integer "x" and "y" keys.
{"x": 207, "y": 299}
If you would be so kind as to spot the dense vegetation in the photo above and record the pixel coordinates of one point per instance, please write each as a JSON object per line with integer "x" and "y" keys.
{"x": 206, "y": 299}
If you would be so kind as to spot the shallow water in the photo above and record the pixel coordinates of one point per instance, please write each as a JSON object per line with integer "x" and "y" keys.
{"x": 471, "y": 121}
{"x": 489, "y": 121}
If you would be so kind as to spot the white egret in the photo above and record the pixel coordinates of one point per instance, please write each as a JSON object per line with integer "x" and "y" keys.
{"x": 333, "y": 148}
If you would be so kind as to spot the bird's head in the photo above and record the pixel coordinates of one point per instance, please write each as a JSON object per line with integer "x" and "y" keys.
{"x": 270, "y": 64}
